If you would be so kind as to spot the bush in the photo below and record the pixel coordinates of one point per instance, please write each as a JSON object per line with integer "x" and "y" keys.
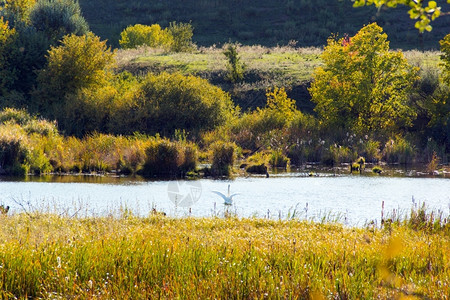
{"x": 398, "y": 150}
{"x": 257, "y": 169}
{"x": 370, "y": 150}
{"x": 17, "y": 116}
{"x": 223, "y": 157}
{"x": 80, "y": 62}
{"x": 143, "y": 35}
{"x": 235, "y": 67}
{"x": 167, "y": 102}
{"x": 266, "y": 127}
{"x": 19, "y": 11}
{"x": 278, "y": 159}
{"x": 57, "y": 18}
{"x": 25, "y": 142}
{"x": 13, "y": 150}
{"x": 24, "y": 64}
{"x": 182, "y": 37}
{"x": 37, "y": 160}
{"x": 337, "y": 154}
{"x": 169, "y": 159}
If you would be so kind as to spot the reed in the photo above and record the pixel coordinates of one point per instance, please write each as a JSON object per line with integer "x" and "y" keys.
{"x": 44, "y": 255}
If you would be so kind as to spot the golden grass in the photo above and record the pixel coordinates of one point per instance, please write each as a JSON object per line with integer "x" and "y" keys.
{"x": 50, "y": 256}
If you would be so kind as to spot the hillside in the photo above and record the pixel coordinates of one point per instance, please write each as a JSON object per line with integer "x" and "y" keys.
{"x": 264, "y": 22}
{"x": 265, "y": 67}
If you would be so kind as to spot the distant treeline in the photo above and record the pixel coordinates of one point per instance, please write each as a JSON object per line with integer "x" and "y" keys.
{"x": 265, "y": 22}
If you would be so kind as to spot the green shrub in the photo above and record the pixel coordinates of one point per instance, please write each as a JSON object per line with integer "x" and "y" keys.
{"x": 167, "y": 102}
{"x": 19, "y": 11}
{"x": 235, "y": 67}
{"x": 17, "y": 116}
{"x": 399, "y": 150}
{"x": 37, "y": 161}
{"x": 181, "y": 37}
{"x": 337, "y": 154}
{"x": 223, "y": 157}
{"x": 269, "y": 126}
{"x": 13, "y": 150}
{"x": 371, "y": 150}
{"x": 278, "y": 160}
{"x": 169, "y": 159}
{"x": 257, "y": 169}
{"x": 57, "y": 18}
{"x": 377, "y": 169}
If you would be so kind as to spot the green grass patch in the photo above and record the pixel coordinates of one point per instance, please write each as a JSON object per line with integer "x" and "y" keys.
{"x": 294, "y": 63}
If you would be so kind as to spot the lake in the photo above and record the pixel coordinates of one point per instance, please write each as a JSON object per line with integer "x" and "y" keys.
{"x": 352, "y": 199}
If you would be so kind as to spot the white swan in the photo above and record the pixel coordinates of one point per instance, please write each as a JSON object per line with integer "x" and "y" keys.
{"x": 228, "y": 199}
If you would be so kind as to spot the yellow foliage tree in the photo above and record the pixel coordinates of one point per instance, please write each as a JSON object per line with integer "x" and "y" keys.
{"x": 445, "y": 58}
{"x": 19, "y": 8}
{"x": 363, "y": 86}
{"x": 140, "y": 35}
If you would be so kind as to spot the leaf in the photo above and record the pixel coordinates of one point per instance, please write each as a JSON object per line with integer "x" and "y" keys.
{"x": 413, "y": 13}
{"x": 432, "y": 4}
{"x": 436, "y": 14}
{"x": 359, "y": 3}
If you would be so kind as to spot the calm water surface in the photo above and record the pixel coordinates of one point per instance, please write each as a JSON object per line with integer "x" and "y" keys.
{"x": 354, "y": 199}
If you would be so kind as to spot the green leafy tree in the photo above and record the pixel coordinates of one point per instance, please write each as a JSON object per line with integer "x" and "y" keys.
{"x": 139, "y": 35}
{"x": 363, "y": 86}
{"x": 423, "y": 13}
{"x": 79, "y": 62}
{"x": 445, "y": 58}
{"x": 38, "y": 24}
{"x": 235, "y": 67}
{"x": 182, "y": 36}
{"x": 7, "y": 39}
{"x": 57, "y": 18}
{"x": 27, "y": 56}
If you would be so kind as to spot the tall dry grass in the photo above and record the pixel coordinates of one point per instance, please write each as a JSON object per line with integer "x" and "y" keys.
{"x": 52, "y": 256}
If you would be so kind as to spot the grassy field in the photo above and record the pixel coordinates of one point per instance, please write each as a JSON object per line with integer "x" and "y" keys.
{"x": 265, "y": 67}
{"x": 288, "y": 62}
{"x": 53, "y": 256}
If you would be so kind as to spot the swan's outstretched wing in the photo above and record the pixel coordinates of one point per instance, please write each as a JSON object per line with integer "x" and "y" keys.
{"x": 231, "y": 197}
{"x": 221, "y": 195}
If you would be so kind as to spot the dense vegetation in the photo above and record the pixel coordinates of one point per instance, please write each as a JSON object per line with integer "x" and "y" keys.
{"x": 45, "y": 255}
{"x": 264, "y": 22}
{"x": 69, "y": 103}
{"x": 364, "y": 100}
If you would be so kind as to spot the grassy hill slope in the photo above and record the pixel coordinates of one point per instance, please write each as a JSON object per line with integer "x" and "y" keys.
{"x": 264, "y": 22}
{"x": 287, "y": 67}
